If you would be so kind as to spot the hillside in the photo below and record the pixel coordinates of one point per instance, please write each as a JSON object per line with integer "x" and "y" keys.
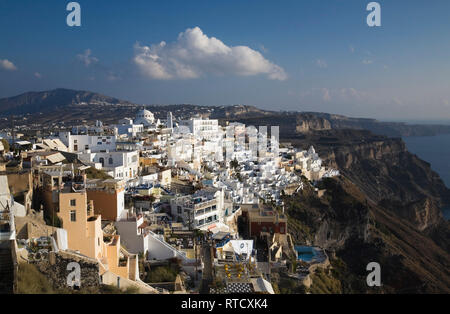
{"x": 65, "y": 107}
{"x": 47, "y": 101}
{"x": 386, "y": 207}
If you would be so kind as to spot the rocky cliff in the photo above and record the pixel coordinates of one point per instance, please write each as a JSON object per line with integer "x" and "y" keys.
{"x": 309, "y": 122}
{"x": 385, "y": 171}
{"x": 356, "y": 231}
{"x": 386, "y": 207}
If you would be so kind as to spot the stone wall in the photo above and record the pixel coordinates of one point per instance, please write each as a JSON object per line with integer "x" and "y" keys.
{"x": 54, "y": 266}
{"x": 21, "y": 186}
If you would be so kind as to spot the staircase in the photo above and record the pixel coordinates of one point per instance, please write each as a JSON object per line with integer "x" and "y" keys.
{"x": 6, "y": 271}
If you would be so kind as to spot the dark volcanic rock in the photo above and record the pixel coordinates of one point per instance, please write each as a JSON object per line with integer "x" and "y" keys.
{"x": 57, "y": 99}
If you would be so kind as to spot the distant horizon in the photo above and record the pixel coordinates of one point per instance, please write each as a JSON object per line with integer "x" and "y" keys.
{"x": 429, "y": 121}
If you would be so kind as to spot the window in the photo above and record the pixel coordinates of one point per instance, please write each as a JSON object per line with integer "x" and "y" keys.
{"x": 86, "y": 147}
{"x": 110, "y": 160}
{"x": 102, "y": 161}
{"x": 73, "y": 202}
{"x": 73, "y": 215}
{"x": 179, "y": 210}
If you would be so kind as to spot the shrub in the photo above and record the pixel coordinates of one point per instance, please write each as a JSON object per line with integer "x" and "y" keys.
{"x": 31, "y": 281}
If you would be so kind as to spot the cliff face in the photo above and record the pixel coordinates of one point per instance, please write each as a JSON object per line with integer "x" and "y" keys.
{"x": 386, "y": 207}
{"x": 329, "y": 222}
{"x": 307, "y": 123}
{"x": 386, "y": 172}
{"x": 358, "y": 231}
{"x": 393, "y": 129}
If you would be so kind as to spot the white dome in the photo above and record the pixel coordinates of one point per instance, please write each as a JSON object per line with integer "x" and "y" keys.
{"x": 144, "y": 117}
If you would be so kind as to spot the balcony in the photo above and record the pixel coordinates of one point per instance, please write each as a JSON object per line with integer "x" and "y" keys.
{"x": 123, "y": 261}
{"x": 73, "y": 187}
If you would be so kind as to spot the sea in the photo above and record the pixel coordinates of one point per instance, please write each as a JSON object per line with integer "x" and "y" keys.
{"x": 436, "y": 151}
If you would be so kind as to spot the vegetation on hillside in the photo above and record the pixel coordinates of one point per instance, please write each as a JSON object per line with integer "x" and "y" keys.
{"x": 324, "y": 283}
{"x": 93, "y": 173}
{"x": 31, "y": 281}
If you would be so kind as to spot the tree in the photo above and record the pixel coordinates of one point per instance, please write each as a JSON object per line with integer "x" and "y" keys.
{"x": 234, "y": 163}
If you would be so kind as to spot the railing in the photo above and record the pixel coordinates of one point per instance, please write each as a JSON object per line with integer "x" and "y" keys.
{"x": 207, "y": 203}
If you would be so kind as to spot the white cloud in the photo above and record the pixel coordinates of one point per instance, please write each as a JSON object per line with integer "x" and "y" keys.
{"x": 86, "y": 58}
{"x": 7, "y": 65}
{"x": 38, "y": 75}
{"x": 321, "y": 63}
{"x": 194, "y": 55}
{"x": 367, "y": 61}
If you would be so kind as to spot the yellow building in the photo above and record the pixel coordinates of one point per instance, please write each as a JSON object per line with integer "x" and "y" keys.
{"x": 85, "y": 234}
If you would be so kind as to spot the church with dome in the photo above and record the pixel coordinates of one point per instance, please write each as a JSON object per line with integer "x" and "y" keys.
{"x": 145, "y": 118}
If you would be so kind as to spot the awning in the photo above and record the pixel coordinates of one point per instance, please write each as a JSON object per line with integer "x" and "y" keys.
{"x": 55, "y": 158}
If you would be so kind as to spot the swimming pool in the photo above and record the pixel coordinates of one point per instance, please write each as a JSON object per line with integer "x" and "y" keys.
{"x": 305, "y": 253}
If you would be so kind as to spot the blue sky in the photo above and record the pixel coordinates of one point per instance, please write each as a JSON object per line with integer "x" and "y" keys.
{"x": 279, "y": 55}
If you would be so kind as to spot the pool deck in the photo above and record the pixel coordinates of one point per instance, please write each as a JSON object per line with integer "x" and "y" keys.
{"x": 319, "y": 260}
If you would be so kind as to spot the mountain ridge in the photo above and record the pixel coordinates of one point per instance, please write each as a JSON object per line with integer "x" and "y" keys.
{"x": 63, "y": 104}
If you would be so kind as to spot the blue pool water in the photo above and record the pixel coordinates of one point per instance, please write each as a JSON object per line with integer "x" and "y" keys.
{"x": 305, "y": 253}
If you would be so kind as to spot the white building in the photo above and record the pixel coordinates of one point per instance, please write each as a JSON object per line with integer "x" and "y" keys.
{"x": 145, "y": 117}
{"x": 132, "y": 234}
{"x": 201, "y": 209}
{"x": 120, "y": 165}
{"x": 202, "y": 128}
{"x": 169, "y": 124}
{"x": 88, "y": 143}
{"x": 128, "y": 127}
